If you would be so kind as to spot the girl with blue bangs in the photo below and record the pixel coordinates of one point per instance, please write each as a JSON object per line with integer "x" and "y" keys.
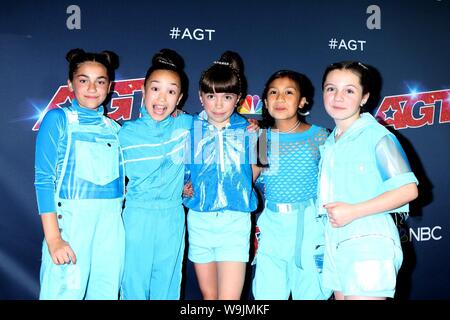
{"x": 364, "y": 176}
{"x": 79, "y": 184}
{"x": 221, "y": 177}
{"x": 291, "y": 239}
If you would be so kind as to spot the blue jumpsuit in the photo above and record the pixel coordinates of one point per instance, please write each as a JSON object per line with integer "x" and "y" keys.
{"x": 363, "y": 257}
{"x": 78, "y": 175}
{"x": 154, "y": 216}
{"x": 291, "y": 240}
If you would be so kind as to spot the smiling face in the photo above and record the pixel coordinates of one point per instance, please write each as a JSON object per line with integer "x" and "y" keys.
{"x": 343, "y": 97}
{"x": 284, "y": 100}
{"x": 219, "y": 107}
{"x": 162, "y": 93}
{"x": 90, "y": 84}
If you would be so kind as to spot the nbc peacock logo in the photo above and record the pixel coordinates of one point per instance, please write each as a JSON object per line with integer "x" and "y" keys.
{"x": 251, "y": 105}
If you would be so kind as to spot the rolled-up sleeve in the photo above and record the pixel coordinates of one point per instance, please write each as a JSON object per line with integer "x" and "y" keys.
{"x": 393, "y": 166}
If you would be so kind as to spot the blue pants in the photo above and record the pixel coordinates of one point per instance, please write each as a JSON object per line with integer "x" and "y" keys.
{"x": 154, "y": 253}
{"x": 94, "y": 230}
{"x": 285, "y": 263}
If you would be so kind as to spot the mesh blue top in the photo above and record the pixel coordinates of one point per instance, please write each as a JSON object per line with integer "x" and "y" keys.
{"x": 293, "y": 165}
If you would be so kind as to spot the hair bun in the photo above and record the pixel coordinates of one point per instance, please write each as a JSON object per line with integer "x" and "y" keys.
{"x": 74, "y": 53}
{"x": 168, "y": 57}
{"x": 233, "y": 59}
{"x": 112, "y": 58}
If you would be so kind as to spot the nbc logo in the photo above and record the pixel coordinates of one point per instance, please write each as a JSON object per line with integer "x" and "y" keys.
{"x": 251, "y": 105}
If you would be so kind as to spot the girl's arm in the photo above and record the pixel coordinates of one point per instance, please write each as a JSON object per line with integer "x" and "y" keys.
{"x": 398, "y": 181}
{"x": 188, "y": 191}
{"x": 51, "y": 132}
{"x": 256, "y": 172}
{"x": 59, "y": 250}
{"x": 253, "y": 126}
{"x": 340, "y": 213}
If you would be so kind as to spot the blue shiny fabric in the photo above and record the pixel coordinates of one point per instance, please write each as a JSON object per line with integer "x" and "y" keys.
{"x": 220, "y": 166}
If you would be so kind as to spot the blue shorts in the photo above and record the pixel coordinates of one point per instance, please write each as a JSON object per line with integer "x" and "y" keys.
{"x": 362, "y": 266}
{"x": 218, "y": 236}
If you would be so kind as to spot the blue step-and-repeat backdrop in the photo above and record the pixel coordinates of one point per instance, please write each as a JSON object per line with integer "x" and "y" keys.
{"x": 406, "y": 41}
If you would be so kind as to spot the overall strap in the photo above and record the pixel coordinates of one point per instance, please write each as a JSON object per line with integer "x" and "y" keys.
{"x": 71, "y": 119}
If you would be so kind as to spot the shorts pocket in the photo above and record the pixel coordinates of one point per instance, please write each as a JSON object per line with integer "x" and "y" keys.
{"x": 368, "y": 263}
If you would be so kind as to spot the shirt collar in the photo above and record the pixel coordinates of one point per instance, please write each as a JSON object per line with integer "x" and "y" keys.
{"x": 85, "y": 112}
{"x": 148, "y": 120}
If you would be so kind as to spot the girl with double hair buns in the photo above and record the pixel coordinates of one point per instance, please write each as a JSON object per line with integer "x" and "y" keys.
{"x": 79, "y": 181}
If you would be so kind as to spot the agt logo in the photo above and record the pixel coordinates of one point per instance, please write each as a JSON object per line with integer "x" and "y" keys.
{"x": 124, "y": 97}
{"x": 415, "y": 110}
{"x": 120, "y": 107}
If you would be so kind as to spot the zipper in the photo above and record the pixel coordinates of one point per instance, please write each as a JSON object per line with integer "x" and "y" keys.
{"x": 377, "y": 235}
{"x": 221, "y": 155}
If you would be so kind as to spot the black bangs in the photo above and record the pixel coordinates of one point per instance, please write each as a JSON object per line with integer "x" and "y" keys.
{"x": 220, "y": 79}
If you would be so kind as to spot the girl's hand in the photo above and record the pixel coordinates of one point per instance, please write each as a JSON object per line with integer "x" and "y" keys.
{"x": 339, "y": 213}
{"x": 176, "y": 113}
{"x": 188, "y": 191}
{"x": 61, "y": 252}
{"x": 253, "y": 126}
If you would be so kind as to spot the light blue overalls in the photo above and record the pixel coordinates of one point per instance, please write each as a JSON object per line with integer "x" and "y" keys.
{"x": 89, "y": 196}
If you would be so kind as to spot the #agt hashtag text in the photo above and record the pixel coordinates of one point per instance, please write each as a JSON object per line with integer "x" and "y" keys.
{"x": 176, "y": 33}
{"x": 342, "y": 44}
